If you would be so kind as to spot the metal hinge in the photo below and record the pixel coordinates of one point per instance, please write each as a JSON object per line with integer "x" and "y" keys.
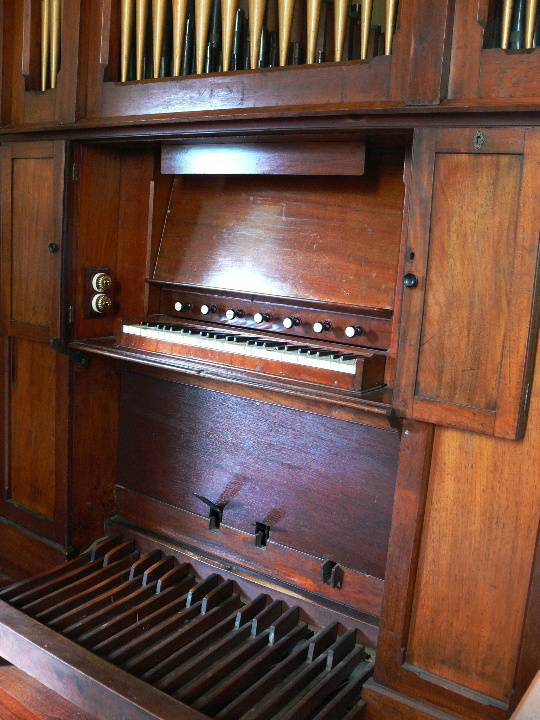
{"x": 69, "y": 314}
{"x": 75, "y": 172}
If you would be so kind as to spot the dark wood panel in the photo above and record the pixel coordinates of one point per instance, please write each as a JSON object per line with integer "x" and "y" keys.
{"x": 247, "y": 234}
{"x": 32, "y": 229}
{"x": 32, "y": 427}
{"x": 94, "y": 433}
{"x": 325, "y": 487}
{"x": 277, "y": 158}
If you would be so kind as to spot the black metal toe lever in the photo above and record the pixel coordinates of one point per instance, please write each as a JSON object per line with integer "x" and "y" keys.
{"x": 215, "y": 512}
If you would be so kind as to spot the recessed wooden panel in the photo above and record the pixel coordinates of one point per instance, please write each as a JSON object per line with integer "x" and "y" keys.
{"x": 476, "y": 556}
{"x": 32, "y": 427}
{"x": 471, "y": 252}
{"x": 323, "y": 486}
{"x": 334, "y": 239}
{"x": 33, "y": 229}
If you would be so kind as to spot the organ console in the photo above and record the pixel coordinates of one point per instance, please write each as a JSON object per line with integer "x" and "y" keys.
{"x": 269, "y": 319}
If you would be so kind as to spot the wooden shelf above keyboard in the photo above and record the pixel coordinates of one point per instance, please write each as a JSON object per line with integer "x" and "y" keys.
{"x": 372, "y": 406}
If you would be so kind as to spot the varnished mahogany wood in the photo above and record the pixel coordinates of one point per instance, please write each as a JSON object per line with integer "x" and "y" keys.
{"x": 473, "y": 506}
{"x": 25, "y": 103}
{"x": 94, "y": 405}
{"x": 110, "y": 229}
{"x": 360, "y": 593}
{"x": 369, "y": 373}
{"x": 385, "y": 704}
{"x": 468, "y": 370}
{"x": 490, "y": 74}
{"x": 23, "y": 698}
{"x": 373, "y": 406}
{"x": 23, "y": 553}
{"x": 377, "y": 330}
{"x": 32, "y": 427}
{"x": 403, "y": 77}
{"x": 167, "y": 427}
{"x": 259, "y": 226}
{"x": 32, "y": 216}
{"x": 273, "y": 158}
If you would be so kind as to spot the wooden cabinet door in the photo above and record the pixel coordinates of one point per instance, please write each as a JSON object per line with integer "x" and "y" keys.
{"x": 35, "y": 377}
{"x": 468, "y": 325}
{"x": 32, "y": 199}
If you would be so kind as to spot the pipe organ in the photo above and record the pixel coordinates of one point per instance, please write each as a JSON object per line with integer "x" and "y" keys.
{"x": 155, "y": 37}
{"x": 269, "y": 316}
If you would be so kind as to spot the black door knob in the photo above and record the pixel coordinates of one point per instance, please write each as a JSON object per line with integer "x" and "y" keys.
{"x": 410, "y": 280}
{"x": 53, "y": 247}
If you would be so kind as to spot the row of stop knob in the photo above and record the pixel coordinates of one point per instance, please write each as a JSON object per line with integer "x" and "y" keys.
{"x": 258, "y": 317}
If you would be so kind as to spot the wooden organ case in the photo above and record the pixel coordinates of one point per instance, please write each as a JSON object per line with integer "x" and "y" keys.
{"x": 270, "y": 428}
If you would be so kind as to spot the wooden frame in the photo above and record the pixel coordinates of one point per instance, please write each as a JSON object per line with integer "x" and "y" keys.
{"x": 489, "y": 75}
{"x": 402, "y": 78}
{"x": 507, "y": 418}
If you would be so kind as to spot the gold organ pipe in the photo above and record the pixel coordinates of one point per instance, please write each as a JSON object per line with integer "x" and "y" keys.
{"x": 365, "y": 27}
{"x": 285, "y": 18}
{"x": 125, "y": 37}
{"x": 228, "y": 14}
{"x": 508, "y": 6}
{"x": 341, "y": 10}
{"x": 391, "y": 8}
{"x": 202, "y": 21}
{"x": 179, "y": 11}
{"x": 141, "y": 18}
{"x": 55, "y": 40}
{"x": 313, "y": 17}
{"x": 159, "y": 9}
{"x": 530, "y": 23}
{"x": 256, "y": 19}
{"x": 45, "y": 21}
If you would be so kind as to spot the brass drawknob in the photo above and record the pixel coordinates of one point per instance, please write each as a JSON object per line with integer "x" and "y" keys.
{"x": 101, "y": 282}
{"x": 101, "y": 303}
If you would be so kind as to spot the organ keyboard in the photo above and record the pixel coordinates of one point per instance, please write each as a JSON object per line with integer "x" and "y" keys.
{"x": 324, "y": 364}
